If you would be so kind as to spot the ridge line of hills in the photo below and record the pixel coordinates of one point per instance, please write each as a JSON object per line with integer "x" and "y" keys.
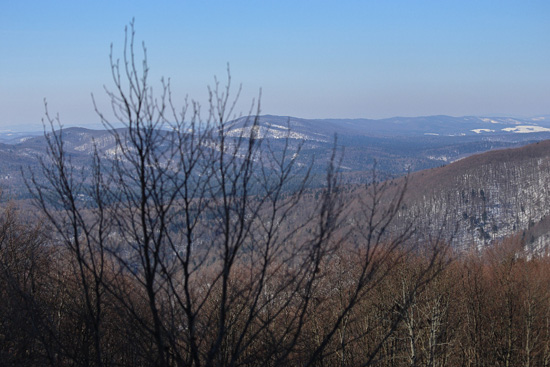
{"x": 418, "y": 124}
{"x": 502, "y": 191}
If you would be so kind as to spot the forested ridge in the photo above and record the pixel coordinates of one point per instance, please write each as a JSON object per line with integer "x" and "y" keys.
{"x": 483, "y": 199}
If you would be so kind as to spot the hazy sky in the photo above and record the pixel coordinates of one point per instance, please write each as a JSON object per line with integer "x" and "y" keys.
{"x": 312, "y": 59}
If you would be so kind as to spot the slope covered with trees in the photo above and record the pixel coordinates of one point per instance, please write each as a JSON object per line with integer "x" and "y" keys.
{"x": 486, "y": 197}
{"x": 485, "y": 308}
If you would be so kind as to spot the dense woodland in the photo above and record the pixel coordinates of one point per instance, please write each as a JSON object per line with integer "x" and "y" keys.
{"x": 489, "y": 308}
{"x": 486, "y": 198}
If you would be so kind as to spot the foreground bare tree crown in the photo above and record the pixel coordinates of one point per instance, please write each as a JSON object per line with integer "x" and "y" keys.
{"x": 188, "y": 246}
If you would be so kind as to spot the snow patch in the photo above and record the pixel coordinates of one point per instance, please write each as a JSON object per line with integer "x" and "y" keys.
{"x": 524, "y": 129}
{"x": 277, "y": 126}
{"x": 490, "y": 120}
{"x": 441, "y": 158}
{"x": 479, "y": 131}
{"x": 265, "y": 132}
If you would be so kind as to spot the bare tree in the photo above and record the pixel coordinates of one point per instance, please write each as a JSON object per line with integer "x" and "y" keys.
{"x": 189, "y": 234}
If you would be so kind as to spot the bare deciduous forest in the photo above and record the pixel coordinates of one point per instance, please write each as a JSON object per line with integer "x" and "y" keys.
{"x": 488, "y": 309}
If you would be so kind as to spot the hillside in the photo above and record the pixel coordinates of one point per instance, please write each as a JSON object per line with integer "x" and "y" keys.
{"x": 488, "y": 196}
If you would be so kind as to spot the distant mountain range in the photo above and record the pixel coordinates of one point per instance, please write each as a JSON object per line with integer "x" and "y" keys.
{"x": 323, "y": 129}
{"x": 490, "y": 196}
{"x": 395, "y": 145}
{"x": 400, "y": 144}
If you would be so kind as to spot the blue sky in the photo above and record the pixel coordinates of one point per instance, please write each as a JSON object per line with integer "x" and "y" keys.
{"x": 312, "y": 59}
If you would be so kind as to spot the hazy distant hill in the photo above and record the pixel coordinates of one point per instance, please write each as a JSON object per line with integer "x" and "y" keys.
{"x": 400, "y": 144}
{"x": 397, "y": 145}
{"x": 323, "y": 129}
